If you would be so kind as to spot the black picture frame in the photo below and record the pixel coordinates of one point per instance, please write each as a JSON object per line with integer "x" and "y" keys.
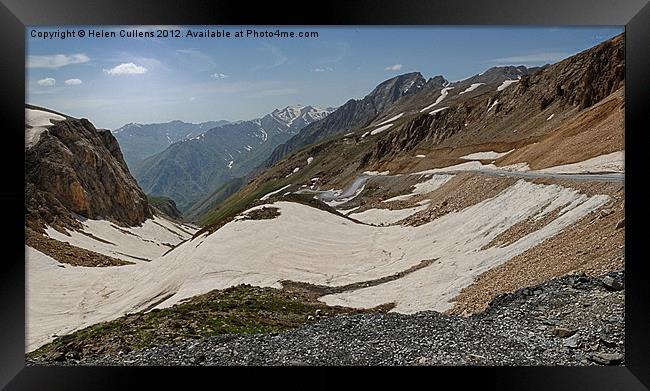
{"x": 15, "y": 15}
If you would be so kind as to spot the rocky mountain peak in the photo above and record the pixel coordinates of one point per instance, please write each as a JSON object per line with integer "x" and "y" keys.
{"x": 393, "y": 88}
{"x": 501, "y": 73}
{"x": 436, "y": 82}
{"x": 75, "y": 169}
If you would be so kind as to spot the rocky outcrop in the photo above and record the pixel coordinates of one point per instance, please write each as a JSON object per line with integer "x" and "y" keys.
{"x": 165, "y": 206}
{"x": 433, "y": 128}
{"x": 75, "y": 169}
{"x": 436, "y": 82}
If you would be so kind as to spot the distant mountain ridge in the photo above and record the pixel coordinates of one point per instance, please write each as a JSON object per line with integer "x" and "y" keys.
{"x": 140, "y": 141}
{"x": 352, "y": 114}
{"x": 188, "y": 170}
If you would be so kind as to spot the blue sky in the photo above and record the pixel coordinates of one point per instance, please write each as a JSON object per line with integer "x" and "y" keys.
{"x": 114, "y": 81}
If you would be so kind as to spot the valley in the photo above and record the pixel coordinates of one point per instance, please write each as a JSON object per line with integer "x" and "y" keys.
{"x": 490, "y": 210}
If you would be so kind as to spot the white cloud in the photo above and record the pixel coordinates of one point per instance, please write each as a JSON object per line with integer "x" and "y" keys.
{"x": 219, "y": 76}
{"x": 324, "y": 69}
{"x": 56, "y": 60}
{"x": 47, "y": 82}
{"x": 532, "y": 58}
{"x": 395, "y": 67}
{"x": 128, "y": 68}
{"x": 73, "y": 82}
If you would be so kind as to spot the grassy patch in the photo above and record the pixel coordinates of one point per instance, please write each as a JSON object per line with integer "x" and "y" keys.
{"x": 235, "y": 310}
{"x": 264, "y": 213}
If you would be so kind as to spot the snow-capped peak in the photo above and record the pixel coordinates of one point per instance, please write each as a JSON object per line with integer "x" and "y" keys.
{"x": 300, "y": 115}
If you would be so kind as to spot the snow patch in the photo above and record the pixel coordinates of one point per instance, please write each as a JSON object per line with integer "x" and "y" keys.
{"x": 427, "y": 186}
{"x": 611, "y": 162}
{"x": 443, "y": 94}
{"x": 506, "y": 84}
{"x": 37, "y": 122}
{"x": 390, "y": 119}
{"x": 380, "y": 129}
{"x": 438, "y": 110}
{"x": 474, "y": 165}
{"x": 456, "y": 240}
{"x": 372, "y": 173}
{"x": 148, "y": 241}
{"x": 472, "y": 88}
{"x": 485, "y": 155}
{"x": 267, "y": 195}
{"x": 382, "y": 217}
{"x": 348, "y": 211}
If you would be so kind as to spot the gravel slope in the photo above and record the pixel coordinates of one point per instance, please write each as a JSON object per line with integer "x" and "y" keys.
{"x": 573, "y": 320}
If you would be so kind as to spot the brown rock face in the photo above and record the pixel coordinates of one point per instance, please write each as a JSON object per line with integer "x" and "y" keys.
{"x": 75, "y": 168}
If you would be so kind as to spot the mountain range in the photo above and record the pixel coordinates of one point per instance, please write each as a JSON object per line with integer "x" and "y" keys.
{"x": 424, "y": 197}
{"x": 359, "y": 113}
{"x": 189, "y": 169}
{"x": 140, "y": 141}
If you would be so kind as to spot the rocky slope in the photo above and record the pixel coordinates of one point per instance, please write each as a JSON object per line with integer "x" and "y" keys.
{"x": 140, "y": 141}
{"x": 74, "y": 169}
{"x": 513, "y": 113}
{"x": 574, "y": 320}
{"x": 189, "y": 170}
